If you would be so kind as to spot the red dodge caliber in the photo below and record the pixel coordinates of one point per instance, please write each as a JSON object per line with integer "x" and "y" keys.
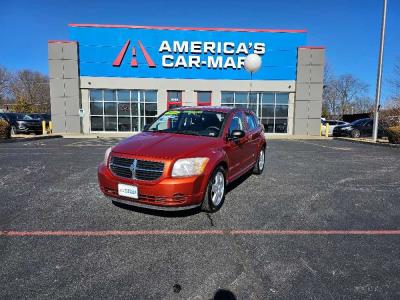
{"x": 184, "y": 159}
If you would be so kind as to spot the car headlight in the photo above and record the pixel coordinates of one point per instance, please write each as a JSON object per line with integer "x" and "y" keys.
{"x": 107, "y": 155}
{"x": 189, "y": 166}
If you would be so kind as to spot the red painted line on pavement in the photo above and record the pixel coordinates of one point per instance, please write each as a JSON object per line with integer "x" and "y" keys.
{"x": 110, "y": 232}
{"x": 315, "y": 232}
{"x": 195, "y": 232}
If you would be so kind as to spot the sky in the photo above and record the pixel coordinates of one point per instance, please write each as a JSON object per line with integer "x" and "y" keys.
{"x": 349, "y": 29}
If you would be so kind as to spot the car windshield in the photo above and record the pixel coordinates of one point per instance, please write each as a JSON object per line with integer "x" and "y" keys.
{"x": 36, "y": 117}
{"x": 23, "y": 117}
{"x": 359, "y": 122}
{"x": 191, "y": 122}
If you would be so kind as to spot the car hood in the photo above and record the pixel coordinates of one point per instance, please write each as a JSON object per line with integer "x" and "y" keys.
{"x": 164, "y": 145}
{"x": 343, "y": 126}
{"x": 30, "y": 122}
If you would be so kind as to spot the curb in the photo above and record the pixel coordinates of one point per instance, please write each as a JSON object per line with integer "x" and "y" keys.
{"x": 28, "y": 139}
{"x": 367, "y": 142}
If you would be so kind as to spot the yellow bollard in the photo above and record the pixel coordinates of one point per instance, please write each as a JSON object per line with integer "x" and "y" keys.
{"x": 320, "y": 129}
{"x": 327, "y": 129}
{"x": 44, "y": 127}
{"x": 51, "y": 126}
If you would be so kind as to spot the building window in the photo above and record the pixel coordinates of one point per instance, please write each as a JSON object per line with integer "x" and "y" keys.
{"x": 270, "y": 107}
{"x": 203, "y": 98}
{"x": 174, "y": 99}
{"x": 122, "y": 110}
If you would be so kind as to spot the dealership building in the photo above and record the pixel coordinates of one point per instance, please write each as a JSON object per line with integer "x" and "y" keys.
{"x": 117, "y": 78}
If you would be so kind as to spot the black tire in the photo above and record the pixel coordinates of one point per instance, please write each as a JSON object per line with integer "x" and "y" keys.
{"x": 355, "y": 133}
{"x": 208, "y": 205}
{"x": 259, "y": 168}
{"x": 13, "y": 130}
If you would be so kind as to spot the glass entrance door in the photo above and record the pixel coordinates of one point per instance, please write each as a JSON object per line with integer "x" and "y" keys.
{"x": 174, "y": 99}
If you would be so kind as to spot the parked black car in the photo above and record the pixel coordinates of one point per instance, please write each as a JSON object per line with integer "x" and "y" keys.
{"x": 41, "y": 117}
{"x": 358, "y": 128}
{"x": 23, "y": 123}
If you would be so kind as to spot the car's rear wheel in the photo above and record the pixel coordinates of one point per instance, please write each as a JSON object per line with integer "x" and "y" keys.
{"x": 355, "y": 133}
{"x": 215, "y": 193}
{"x": 260, "y": 164}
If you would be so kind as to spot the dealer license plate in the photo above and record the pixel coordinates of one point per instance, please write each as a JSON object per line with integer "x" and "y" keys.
{"x": 129, "y": 191}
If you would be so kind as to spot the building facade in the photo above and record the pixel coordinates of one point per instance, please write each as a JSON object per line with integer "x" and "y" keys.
{"x": 117, "y": 78}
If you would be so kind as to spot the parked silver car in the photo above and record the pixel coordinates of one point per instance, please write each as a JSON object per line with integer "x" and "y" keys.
{"x": 332, "y": 125}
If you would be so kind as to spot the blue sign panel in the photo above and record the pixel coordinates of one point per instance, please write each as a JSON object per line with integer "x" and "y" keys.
{"x": 185, "y": 54}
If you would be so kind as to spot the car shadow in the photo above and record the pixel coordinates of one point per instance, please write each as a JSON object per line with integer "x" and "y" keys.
{"x": 159, "y": 213}
{"x": 223, "y": 294}
{"x": 181, "y": 213}
{"x": 234, "y": 184}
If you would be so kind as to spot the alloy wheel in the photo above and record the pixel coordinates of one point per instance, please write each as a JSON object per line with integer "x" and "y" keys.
{"x": 217, "y": 188}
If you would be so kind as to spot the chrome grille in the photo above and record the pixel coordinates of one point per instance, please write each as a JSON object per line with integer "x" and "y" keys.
{"x": 136, "y": 169}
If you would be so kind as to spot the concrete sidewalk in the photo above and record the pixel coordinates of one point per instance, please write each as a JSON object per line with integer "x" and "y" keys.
{"x": 379, "y": 142}
{"x": 28, "y": 138}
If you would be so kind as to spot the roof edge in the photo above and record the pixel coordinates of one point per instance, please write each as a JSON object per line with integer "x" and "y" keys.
{"x": 311, "y": 47}
{"x": 190, "y": 28}
{"x": 61, "y": 42}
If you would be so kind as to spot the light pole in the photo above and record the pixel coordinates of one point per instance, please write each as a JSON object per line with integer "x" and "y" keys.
{"x": 379, "y": 75}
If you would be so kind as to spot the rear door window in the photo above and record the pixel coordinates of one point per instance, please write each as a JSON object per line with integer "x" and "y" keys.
{"x": 369, "y": 123}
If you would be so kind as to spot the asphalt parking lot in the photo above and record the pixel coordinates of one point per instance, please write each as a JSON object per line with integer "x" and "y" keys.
{"x": 322, "y": 222}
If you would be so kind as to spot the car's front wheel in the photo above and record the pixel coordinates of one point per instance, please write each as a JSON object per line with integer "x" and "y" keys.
{"x": 260, "y": 164}
{"x": 215, "y": 193}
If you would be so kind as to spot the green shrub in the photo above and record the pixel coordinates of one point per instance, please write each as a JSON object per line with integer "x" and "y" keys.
{"x": 5, "y": 130}
{"x": 394, "y": 134}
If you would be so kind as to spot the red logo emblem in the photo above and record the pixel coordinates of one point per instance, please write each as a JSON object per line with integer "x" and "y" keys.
{"x": 118, "y": 60}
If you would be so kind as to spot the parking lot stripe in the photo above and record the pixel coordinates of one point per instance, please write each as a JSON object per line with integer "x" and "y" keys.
{"x": 110, "y": 232}
{"x": 323, "y": 146}
{"x": 315, "y": 232}
{"x": 194, "y": 232}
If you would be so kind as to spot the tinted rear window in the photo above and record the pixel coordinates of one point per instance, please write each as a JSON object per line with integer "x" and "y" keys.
{"x": 360, "y": 122}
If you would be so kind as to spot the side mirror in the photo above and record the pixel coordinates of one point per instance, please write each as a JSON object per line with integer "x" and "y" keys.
{"x": 236, "y": 134}
{"x": 146, "y": 127}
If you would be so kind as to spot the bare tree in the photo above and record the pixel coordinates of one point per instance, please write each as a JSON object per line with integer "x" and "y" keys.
{"x": 329, "y": 97}
{"x": 362, "y": 104}
{"x": 30, "y": 91}
{"x": 390, "y": 114}
{"x": 344, "y": 94}
{"x": 348, "y": 88}
{"x": 5, "y": 77}
{"x": 395, "y": 82}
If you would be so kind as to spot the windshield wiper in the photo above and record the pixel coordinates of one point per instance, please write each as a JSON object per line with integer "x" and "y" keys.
{"x": 191, "y": 132}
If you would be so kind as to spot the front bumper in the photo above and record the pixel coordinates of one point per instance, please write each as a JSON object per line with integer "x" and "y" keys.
{"x": 28, "y": 130}
{"x": 163, "y": 194}
{"x": 341, "y": 133}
